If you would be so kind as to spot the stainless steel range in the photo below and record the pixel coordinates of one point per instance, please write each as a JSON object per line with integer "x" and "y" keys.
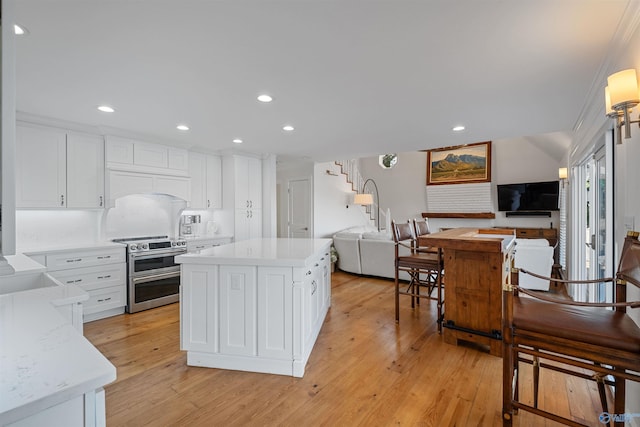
{"x": 153, "y": 277}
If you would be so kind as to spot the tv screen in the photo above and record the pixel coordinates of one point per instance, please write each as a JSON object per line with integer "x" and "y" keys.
{"x": 531, "y": 196}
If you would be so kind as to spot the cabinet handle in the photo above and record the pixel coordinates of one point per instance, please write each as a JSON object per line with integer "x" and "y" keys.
{"x": 247, "y": 214}
{"x": 308, "y": 273}
{"x": 250, "y": 214}
{"x": 247, "y": 203}
{"x": 77, "y": 281}
{"x": 322, "y": 259}
{"x": 316, "y": 265}
{"x": 62, "y": 200}
{"x": 208, "y": 203}
{"x": 104, "y": 299}
{"x": 315, "y": 287}
{"x": 101, "y": 201}
{"x": 250, "y": 203}
{"x": 104, "y": 277}
{"x": 104, "y": 257}
{"x": 74, "y": 260}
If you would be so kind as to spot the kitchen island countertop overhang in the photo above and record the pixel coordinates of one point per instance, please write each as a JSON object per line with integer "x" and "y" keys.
{"x": 256, "y": 305}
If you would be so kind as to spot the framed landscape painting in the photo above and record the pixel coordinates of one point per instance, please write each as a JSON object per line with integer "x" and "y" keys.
{"x": 463, "y": 164}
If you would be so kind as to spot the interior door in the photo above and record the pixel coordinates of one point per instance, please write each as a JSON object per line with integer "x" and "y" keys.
{"x": 299, "y": 195}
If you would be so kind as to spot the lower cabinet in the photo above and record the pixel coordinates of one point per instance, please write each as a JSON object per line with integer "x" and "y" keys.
{"x": 101, "y": 272}
{"x": 253, "y": 318}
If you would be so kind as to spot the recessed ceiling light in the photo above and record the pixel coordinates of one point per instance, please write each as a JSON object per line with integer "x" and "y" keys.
{"x": 237, "y": 141}
{"x": 19, "y": 30}
{"x": 458, "y": 128}
{"x": 265, "y": 98}
{"x": 288, "y": 128}
{"x": 182, "y": 127}
{"x": 106, "y": 109}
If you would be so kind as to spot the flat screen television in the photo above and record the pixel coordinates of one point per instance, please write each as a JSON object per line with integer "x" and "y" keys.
{"x": 530, "y": 196}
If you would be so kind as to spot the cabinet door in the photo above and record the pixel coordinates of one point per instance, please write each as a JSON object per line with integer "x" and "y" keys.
{"x": 275, "y": 329}
{"x": 150, "y": 155}
{"x": 178, "y": 159}
{"x": 119, "y": 150}
{"x": 255, "y": 223}
{"x": 214, "y": 182}
{"x": 255, "y": 183}
{"x": 40, "y": 168}
{"x": 85, "y": 171}
{"x": 241, "y": 229}
{"x": 238, "y": 286}
{"x": 198, "y": 174}
{"x": 241, "y": 182}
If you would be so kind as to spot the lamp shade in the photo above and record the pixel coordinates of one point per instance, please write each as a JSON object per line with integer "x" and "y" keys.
{"x": 607, "y": 102}
{"x": 563, "y": 173}
{"x": 363, "y": 199}
{"x": 623, "y": 89}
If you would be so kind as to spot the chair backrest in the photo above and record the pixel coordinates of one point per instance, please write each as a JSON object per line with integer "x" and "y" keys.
{"x": 402, "y": 231}
{"x": 421, "y": 227}
{"x": 629, "y": 266}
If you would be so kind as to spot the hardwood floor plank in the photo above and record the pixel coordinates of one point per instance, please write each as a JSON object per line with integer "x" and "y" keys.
{"x": 365, "y": 370}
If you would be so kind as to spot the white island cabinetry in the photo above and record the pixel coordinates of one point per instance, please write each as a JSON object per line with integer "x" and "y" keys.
{"x": 256, "y": 305}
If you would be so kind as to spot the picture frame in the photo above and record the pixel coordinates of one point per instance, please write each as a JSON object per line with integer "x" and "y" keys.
{"x": 462, "y": 164}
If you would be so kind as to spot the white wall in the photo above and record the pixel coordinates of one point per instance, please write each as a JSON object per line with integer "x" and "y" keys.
{"x": 625, "y": 54}
{"x": 403, "y": 188}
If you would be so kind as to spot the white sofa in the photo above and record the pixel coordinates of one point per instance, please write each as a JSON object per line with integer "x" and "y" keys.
{"x": 364, "y": 250}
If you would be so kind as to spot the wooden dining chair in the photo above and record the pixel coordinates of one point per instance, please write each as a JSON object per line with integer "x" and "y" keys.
{"x": 424, "y": 269}
{"x": 593, "y": 341}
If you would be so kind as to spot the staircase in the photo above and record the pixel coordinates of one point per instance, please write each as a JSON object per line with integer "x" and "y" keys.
{"x": 349, "y": 168}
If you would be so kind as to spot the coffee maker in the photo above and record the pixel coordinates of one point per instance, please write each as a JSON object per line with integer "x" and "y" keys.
{"x": 189, "y": 225}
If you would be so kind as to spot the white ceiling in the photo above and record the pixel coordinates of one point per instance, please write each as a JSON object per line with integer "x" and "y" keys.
{"x": 355, "y": 77}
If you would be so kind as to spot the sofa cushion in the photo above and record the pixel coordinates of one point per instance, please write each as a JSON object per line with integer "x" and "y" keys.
{"x": 377, "y": 235}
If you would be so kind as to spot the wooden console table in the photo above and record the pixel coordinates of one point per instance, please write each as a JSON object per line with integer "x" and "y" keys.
{"x": 477, "y": 264}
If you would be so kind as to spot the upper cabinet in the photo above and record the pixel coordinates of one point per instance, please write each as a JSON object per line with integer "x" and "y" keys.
{"x": 206, "y": 181}
{"x": 138, "y": 156}
{"x": 243, "y": 192}
{"x": 58, "y": 169}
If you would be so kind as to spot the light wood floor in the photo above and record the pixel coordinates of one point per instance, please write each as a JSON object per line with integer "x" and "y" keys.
{"x": 364, "y": 370}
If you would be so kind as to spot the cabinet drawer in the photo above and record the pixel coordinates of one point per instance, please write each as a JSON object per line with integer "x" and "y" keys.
{"x": 105, "y": 299}
{"x": 90, "y": 278}
{"x": 86, "y": 258}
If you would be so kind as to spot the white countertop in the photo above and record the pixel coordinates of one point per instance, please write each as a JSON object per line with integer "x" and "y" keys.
{"x": 69, "y": 247}
{"x": 207, "y": 237}
{"x": 267, "y": 251}
{"x": 44, "y": 360}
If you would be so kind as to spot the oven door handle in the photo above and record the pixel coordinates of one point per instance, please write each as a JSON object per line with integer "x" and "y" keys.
{"x": 153, "y": 277}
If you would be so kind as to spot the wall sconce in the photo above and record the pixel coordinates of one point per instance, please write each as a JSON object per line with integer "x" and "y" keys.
{"x": 620, "y": 96}
{"x": 366, "y": 199}
{"x": 563, "y": 174}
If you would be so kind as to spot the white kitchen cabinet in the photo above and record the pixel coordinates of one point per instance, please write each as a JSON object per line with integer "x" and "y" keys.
{"x": 138, "y": 156}
{"x": 119, "y": 151}
{"x": 100, "y": 271}
{"x": 123, "y": 183}
{"x": 248, "y": 224}
{"x": 243, "y": 191}
{"x": 58, "y": 169}
{"x": 206, "y": 181}
{"x": 238, "y": 291}
{"x": 254, "y": 305}
{"x": 41, "y": 180}
{"x": 85, "y": 171}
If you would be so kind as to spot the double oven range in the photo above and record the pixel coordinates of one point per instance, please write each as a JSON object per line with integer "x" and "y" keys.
{"x": 153, "y": 277}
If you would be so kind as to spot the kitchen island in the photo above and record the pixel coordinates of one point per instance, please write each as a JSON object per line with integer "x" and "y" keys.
{"x": 255, "y": 305}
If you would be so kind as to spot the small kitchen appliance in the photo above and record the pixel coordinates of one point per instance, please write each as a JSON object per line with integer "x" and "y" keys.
{"x": 190, "y": 225}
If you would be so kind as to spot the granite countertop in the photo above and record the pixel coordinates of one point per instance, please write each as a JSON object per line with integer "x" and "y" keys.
{"x": 266, "y": 251}
{"x": 44, "y": 360}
